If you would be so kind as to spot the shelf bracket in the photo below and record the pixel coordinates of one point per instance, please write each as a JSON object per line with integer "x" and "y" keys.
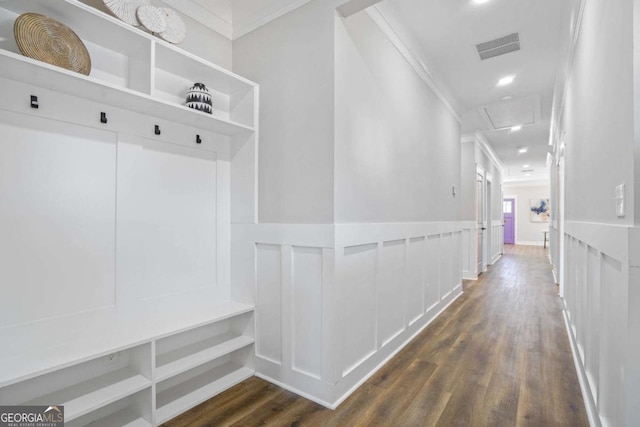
{"x": 157, "y": 130}
{"x": 198, "y": 139}
{"x": 34, "y": 101}
{"x": 103, "y": 117}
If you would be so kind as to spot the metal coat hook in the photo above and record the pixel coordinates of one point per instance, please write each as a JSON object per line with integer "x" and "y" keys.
{"x": 157, "y": 130}
{"x": 34, "y": 101}
{"x": 198, "y": 139}
{"x": 103, "y": 117}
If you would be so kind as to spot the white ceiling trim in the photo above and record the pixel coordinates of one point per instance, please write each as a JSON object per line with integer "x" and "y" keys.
{"x": 486, "y": 148}
{"x": 562, "y": 80}
{"x": 203, "y": 15}
{"x": 419, "y": 67}
{"x": 243, "y": 28}
{"x": 354, "y": 6}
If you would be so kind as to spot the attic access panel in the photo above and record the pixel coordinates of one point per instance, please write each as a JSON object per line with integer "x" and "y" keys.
{"x": 515, "y": 112}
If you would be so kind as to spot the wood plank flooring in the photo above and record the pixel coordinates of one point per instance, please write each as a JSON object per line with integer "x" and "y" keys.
{"x": 498, "y": 356}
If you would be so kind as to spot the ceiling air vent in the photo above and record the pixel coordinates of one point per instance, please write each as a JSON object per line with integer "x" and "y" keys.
{"x": 500, "y": 46}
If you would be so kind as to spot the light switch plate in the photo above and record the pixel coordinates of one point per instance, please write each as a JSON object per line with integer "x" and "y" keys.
{"x": 619, "y": 199}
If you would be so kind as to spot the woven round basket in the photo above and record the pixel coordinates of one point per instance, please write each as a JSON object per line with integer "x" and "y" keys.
{"x": 126, "y": 9}
{"x": 47, "y": 40}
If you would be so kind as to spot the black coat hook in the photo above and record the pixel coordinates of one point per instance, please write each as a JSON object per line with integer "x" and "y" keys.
{"x": 157, "y": 130}
{"x": 34, "y": 101}
{"x": 198, "y": 139}
{"x": 103, "y": 117}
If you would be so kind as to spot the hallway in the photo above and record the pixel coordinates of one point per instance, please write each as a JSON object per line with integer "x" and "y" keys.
{"x": 498, "y": 356}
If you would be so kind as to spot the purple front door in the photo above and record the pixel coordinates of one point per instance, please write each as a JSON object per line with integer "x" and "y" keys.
{"x": 509, "y": 212}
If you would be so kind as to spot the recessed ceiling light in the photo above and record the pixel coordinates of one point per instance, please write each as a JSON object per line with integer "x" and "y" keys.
{"x": 516, "y": 128}
{"x": 506, "y": 80}
{"x": 479, "y": 1}
{"x": 523, "y": 150}
{"x": 526, "y": 166}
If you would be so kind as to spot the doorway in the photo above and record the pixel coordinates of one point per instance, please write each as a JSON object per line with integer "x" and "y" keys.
{"x": 488, "y": 227}
{"x": 480, "y": 220}
{"x": 509, "y": 212}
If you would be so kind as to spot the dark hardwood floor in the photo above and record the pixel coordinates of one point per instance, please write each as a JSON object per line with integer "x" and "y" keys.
{"x": 498, "y": 356}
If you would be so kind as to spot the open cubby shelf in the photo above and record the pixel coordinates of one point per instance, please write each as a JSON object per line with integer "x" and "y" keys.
{"x": 196, "y": 354}
{"x": 130, "y": 67}
{"x": 210, "y": 341}
{"x": 194, "y": 391}
{"x": 87, "y": 396}
{"x": 126, "y": 417}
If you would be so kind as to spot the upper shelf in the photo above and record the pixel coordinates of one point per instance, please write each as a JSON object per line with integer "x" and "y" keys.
{"x": 130, "y": 69}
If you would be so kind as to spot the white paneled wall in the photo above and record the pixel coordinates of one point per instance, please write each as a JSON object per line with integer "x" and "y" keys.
{"x": 497, "y": 240}
{"x": 601, "y": 301}
{"x": 269, "y": 311}
{"x": 359, "y": 270}
{"x": 469, "y": 247}
{"x": 305, "y": 297}
{"x": 331, "y": 310}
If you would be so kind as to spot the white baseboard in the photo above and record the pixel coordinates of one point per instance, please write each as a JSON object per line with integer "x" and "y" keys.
{"x": 589, "y": 404}
{"x": 528, "y": 243}
{"x": 296, "y": 391}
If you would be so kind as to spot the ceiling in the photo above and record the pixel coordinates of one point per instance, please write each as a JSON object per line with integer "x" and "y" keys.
{"x": 444, "y": 35}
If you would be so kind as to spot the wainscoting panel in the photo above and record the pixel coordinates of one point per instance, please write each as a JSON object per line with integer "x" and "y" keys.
{"x": 456, "y": 260}
{"x": 601, "y": 299}
{"x": 416, "y": 279}
{"x": 434, "y": 268}
{"x": 391, "y": 291}
{"x": 306, "y": 306}
{"x": 446, "y": 279}
{"x": 269, "y": 309}
{"x": 614, "y": 319}
{"x": 497, "y": 241}
{"x": 330, "y": 311}
{"x": 358, "y": 286}
{"x": 592, "y": 330}
{"x": 469, "y": 245}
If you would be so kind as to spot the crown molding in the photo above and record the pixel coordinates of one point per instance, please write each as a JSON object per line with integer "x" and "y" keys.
{"x": 484, "y": 145}
{"x": 264, "y": 17}
{"x": 562, "y": 80}
{"x": 351, "y": 7}
{"x": 204, "y": 16}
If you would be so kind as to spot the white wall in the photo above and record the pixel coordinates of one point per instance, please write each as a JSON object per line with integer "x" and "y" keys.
{"x": 600, "y": 263}
{"x": 200, "y": 41}
{"x": 359, "y": 240}
{"x": 527, "y": 232}
{"x": 397, "y": 154}
{"x": 598, "y": 115}
{"x": 292, "y": 60}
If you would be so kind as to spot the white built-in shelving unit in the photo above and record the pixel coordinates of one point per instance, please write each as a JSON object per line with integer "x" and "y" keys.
{"x": 154, "y": 338}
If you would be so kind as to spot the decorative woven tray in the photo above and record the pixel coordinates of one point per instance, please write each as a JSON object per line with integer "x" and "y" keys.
{"x": 45, "y": 39}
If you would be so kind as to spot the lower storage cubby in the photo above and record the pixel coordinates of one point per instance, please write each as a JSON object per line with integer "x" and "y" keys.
{"x": 88, "y": 386}
{"x": 188, "y": 389}
{"x": 187, "y": 350}
{"x": 132, "y": 411}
